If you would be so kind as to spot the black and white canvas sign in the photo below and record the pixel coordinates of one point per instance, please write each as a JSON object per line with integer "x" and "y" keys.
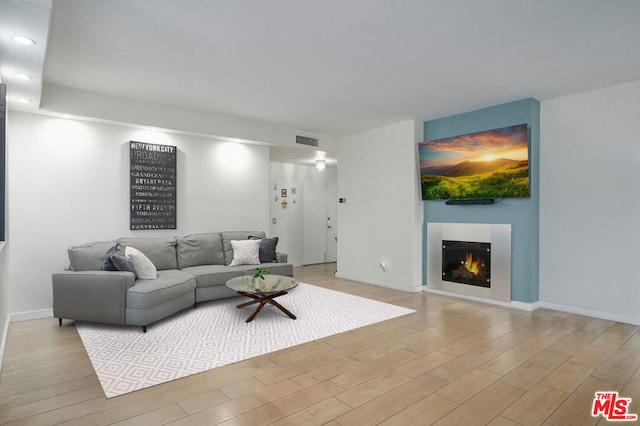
{"x": 153, "y": 186}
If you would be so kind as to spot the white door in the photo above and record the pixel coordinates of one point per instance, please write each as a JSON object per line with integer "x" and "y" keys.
{"x": 315, "y": 222}
{"x": 332, "y": 221}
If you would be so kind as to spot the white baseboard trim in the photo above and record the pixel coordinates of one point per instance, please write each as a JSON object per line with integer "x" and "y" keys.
{"x": 31, "y": 315}
{"x": 523, "y": 306}
{"x": 547, "y": 305}
{"x": 591, "y": 313}
{"x": 414, "y": 289}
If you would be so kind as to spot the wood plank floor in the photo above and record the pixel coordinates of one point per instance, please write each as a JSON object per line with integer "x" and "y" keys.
{"x": 452, "y": 362}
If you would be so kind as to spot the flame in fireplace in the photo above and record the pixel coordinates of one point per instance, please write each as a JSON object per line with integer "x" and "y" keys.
{"x": 472, "y": 265}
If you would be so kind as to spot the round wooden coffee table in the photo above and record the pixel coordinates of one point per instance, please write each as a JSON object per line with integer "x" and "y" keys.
{"x": 262, "y": 291}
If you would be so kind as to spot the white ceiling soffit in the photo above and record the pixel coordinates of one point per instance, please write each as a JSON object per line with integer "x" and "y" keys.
{"x": 21, "y": 66}
{"x": 303, "y": 156}
{"x": 321, "y": 69}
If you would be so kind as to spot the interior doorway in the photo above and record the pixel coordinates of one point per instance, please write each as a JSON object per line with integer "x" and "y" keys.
{"x": 319, "y": 221}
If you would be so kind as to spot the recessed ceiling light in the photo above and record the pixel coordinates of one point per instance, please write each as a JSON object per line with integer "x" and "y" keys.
{"x": 24, "y": 76}
{"x": 23, "y": 40}
{"x": 24, "y": 100}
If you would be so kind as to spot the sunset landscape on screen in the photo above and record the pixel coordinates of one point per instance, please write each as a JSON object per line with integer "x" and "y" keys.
{"x": 488, "y": 164}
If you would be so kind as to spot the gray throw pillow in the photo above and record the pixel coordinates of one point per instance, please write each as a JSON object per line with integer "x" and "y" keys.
{"x": 267, "y": 249}
{"x": 107, "y": 264}
{"x": 122, "y": 262}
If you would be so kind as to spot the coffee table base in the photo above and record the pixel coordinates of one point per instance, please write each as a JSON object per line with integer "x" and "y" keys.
{"x": 263, "y": 299}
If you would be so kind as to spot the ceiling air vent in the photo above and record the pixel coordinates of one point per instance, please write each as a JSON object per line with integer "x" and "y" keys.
{"x": 306, "y": 141}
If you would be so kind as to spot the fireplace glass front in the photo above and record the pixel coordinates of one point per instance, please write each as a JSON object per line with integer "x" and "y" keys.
{"x": 466, "y": 262}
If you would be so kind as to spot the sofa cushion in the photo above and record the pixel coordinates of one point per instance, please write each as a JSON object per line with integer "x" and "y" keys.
{"x": 245, "y": 252}
{"x": 228, "y": 236}
{"x": 160, "y": 251}
{"x": 285, "y": 269}
{"x": 90, "y": 256}
{"x": 169, "y": 285}
{"x": 212, "y": 275}
{"x": 144, "y": 268}
{"x": 200, "y": 249}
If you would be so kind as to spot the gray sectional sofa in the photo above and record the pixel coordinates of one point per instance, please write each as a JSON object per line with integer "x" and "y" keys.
{"x": 190, "y": 269}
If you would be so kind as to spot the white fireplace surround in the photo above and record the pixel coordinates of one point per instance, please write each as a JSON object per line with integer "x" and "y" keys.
{"x": 498, "y": 235}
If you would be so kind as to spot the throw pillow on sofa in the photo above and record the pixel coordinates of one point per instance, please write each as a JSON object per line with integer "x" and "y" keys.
{"x": 228, "y": 236}
{"x": 267, "y": 249}
{"x": 115, "y": 260}
{"x": 122, "y": 262}
{"x": 245, "y": 252}
{"x": 144, "y": 268}
{"x": 108, "y": 264}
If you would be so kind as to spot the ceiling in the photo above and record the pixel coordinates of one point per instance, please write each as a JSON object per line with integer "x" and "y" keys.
{"x": 332, "y": 67}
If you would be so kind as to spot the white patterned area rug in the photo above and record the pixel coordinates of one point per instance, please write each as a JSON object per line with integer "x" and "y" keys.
{"x": 216, "y": 334}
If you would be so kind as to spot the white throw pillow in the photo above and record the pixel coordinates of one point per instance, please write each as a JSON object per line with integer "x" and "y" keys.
{"x": 245, "y": 252}
{"x": 145, "y": 269}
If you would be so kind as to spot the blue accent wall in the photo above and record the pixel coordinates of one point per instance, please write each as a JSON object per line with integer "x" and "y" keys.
{"x": 522, "y": 214}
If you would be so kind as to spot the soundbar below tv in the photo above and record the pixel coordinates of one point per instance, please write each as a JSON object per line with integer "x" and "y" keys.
{"x": 471, "y": 202}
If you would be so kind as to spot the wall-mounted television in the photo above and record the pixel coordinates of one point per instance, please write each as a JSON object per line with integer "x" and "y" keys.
{"x": 492, "y": 164}
{"x": 3, "y": 128}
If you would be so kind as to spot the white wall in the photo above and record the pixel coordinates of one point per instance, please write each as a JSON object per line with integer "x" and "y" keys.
{"x": 589, "y": 203}
{"x": 68, "y": 184}
{"x": 381, "y": 220}
{"x": 289, "y": 221}
{"x": 4, "y": 301}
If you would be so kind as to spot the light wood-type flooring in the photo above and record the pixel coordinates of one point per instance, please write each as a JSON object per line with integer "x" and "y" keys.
{"x": 452, "y": 362}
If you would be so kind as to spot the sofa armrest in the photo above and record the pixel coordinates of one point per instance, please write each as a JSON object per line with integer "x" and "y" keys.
{"x": 94, "y": 296}
{"x": 281, "y": 257}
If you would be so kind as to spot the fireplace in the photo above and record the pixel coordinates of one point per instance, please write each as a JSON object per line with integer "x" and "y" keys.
{"x": 466, "y": 262}
{"x": 484, "y": 247}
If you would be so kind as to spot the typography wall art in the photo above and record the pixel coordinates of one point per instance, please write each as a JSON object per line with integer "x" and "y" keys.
{"x": 153, "y": 186}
